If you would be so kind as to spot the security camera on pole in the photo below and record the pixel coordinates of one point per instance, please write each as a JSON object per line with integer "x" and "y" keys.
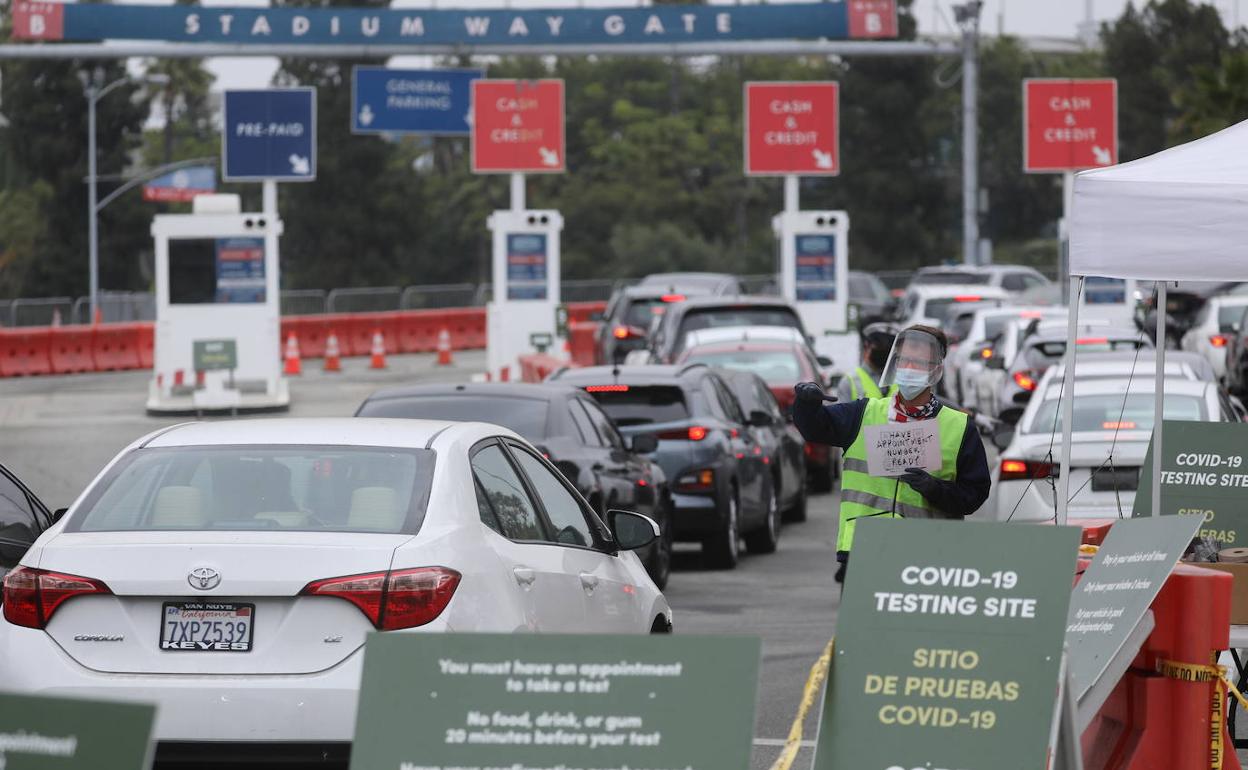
{"x": 518, "y": 128}
{"x": 791, "y": 130}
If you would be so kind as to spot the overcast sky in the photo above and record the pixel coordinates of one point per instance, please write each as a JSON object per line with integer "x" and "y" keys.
{"x": 1048, "y": 18}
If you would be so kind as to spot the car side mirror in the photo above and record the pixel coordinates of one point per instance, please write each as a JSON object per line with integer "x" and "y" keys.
{"x": 644, "y": 443}
{"x": 759, "y": 419}
{"x": 632, "y": 530}
{"x": 59, "y": 514}
{"x": 824, "y": 361}
{"x": 1002, "y": 437}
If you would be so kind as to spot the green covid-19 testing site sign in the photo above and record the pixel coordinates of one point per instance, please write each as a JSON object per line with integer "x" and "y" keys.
{"x": 948, "y": 646}
{"x": 43, "y": 733}
{"x": 573, "y": 702}
{"x": 1204, "y": 472}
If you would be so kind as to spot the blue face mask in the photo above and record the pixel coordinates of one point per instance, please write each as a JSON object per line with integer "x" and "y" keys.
{"x": 911, "y": 382}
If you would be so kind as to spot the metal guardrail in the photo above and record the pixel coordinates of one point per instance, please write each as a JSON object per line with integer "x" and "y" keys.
{"x": 371, "y": 299}
{"x": 438, "y": 295}
{"x": 141, "y": 306}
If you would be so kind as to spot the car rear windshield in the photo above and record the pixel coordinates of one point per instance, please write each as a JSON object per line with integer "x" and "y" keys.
{"x": 1110, "y": 412}
{"x": 641, "y": 404}
{"x": 526, "y": 416}
{"x": 1229, "y": 315}
{"x": 713, "y": 318}
{"x": 287, "y": 488}
{"x": 641, "y": 311}
{"x": 1045, "y": 353}
{"x": 940, "y": 308}
{"x": 774, "y": 366}
{"x": 946, "y": 277}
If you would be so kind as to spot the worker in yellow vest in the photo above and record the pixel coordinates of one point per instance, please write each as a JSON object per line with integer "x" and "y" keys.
{"x": 957, "y": 489}
{"x": 863, "y": 382}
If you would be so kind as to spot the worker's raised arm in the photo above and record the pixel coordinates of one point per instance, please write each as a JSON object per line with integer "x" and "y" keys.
{"x": 820, "y": 423}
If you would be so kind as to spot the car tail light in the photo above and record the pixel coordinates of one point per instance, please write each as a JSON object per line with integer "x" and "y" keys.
{"x": 967, "y": 298}
{"x": 673, "y": 298}
{"x": 1218, "y": 340}
{"x": 1092, "y": 341}
{"x": 1118, "y": 426}
{"x": 606, "y": 389}
{"x": 698, "y": 481}
{"x": 1023, "y": 470}
{"x": 692, "y": 433}
{"x": 986, "y": 353}
{"x": 32, "y": 595}
{"x": 1025, "y": 381}
{"x": 403, "y": 598}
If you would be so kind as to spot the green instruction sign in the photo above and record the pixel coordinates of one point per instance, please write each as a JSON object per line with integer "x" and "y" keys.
{"x": 1117, "y": 589}
{"x": 42, "y": 733}
{"x": 215, "y": 354}
{"x": 948, "y": 646}
{"x": 573, "y": 702}
{"x": 1204, "y": 473}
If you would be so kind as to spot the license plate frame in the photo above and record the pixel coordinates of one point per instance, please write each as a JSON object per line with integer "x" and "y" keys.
{"x": 207, "y": 612}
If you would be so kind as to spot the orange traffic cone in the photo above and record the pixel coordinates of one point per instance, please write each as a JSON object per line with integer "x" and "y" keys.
{"x": 333, "y": 359}
{"x": 379, "y": 351}
{"x": 444, "y": 348}
{"x": 293, "y": 364}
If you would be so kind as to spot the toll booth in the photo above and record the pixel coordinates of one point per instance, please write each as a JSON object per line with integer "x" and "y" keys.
{"x": 218, "y": 316}
{"x": 521, "y": 317}
{"x": 814, "y": 276}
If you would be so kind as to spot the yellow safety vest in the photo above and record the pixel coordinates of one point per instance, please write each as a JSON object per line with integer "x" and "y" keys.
{"x": 866, "y": 495}
{"x": 862, "y": 385}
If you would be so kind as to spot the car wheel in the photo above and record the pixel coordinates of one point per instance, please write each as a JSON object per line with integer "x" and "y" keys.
{"x": 659, "y": 565}
{"x": 797, "y": 512}
{"x": 766, "y": 538}
{"x": 723, "y": 549}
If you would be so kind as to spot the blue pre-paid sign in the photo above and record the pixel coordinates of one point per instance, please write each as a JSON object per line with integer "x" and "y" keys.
{"x": 269, "y": 134}
{"x": 387, "y": 100}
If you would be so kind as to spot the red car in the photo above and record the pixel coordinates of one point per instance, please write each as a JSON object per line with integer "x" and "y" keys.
{"x": 783, "y": 358}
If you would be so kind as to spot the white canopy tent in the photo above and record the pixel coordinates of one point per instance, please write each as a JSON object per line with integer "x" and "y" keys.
{"x": 1179, "y": 215}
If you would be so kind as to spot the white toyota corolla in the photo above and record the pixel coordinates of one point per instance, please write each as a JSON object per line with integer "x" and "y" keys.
{"x": 229, "y": 572}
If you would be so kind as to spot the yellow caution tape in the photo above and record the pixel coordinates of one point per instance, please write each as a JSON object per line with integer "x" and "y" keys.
{"x": 1198, "y": 674}
{"x": 818, "y": 672}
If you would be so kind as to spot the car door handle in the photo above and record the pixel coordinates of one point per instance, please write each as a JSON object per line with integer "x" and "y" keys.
{"x": 524, "y": 576}
{"x": 589, "y": 582}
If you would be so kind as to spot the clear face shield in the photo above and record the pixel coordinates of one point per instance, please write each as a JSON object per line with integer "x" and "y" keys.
{"x": 915, "y": 364}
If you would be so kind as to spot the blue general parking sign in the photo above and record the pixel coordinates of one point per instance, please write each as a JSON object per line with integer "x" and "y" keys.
{"x": 397, "y": 101}
{"x": 269, "y": 134}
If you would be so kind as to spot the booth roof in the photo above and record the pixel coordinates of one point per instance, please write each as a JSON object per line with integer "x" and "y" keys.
{"x": 1181, "y": 214}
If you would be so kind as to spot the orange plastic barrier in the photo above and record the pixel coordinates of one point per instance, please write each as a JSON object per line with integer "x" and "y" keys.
{"x": 355, "y": 331}
{"x": 24, "y": 352}
{"x": 581, "y": 311}
{"x": 536, "y": 367}
{"x": 147, "y": 345}
{"x": 581, "y": 342}
{"x": 312, "y": 332}
{"x": 1164, "y": 713}
{"x": 70, "y": 349}
{"x": 115, "y": 347}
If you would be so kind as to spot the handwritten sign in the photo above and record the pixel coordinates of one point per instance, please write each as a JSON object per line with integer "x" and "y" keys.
{"x": 894, "y": 447}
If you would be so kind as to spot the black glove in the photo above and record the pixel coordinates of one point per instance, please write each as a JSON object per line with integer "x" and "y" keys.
{"x": 919, "y": 480}
{"x": 808, "y": 393}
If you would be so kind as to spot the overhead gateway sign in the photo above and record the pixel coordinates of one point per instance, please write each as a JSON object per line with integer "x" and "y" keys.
{"x": 842, "y": 20}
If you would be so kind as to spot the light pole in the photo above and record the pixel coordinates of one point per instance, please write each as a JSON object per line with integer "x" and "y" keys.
{"x": 967, "y": 17}
{"x": 94, "y": 90}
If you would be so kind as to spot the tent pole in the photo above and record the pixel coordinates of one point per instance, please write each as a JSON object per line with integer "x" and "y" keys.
{"x": 1159, "y": 391}
{"x": 1068, "y": 397}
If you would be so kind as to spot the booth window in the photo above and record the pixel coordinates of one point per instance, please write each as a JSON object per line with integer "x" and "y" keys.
{"x": 192, "y": 271}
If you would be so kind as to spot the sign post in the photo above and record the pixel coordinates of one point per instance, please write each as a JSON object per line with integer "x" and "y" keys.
{"x": 791, "y": 131}
{"x": 1069, "y": 125}
{"x": 949, "y": 646}
{"x": 523, "y": 701}
{"x": 518, "y": 129}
